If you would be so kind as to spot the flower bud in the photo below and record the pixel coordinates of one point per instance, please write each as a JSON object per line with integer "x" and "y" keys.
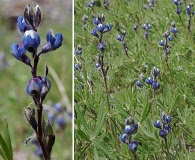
{"x": 32, "y": 15}
{"x": 53, "y": 42}
{"x": 29, "y": 114}
{"x": 124, "y": 138}
{"x": 133, "y": 146}
{"x": 19, "y": 52}
{"x": 102, "y": 46}
{"x": 34, "y": 84}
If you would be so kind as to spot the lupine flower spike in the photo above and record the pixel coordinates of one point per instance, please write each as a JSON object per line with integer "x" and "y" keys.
{"x": 190, "y": 13}
{"x": 38, "y": 86}
{"x": 100, "y": 29}
{"x": 121, "y": 38}
{"x": 147, "y": 26}
{"x": 130, "y": 129}
{"x": 164, "y": 126}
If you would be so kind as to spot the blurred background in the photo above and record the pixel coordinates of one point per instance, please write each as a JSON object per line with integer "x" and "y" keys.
{"x": 57, "y": 15}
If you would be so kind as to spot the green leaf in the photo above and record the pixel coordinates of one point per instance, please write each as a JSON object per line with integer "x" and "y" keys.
{"x": 95, "y": 153}
{"x": 2, "y": 154}
{"x": 145, "y": 113}
{"x": 82, "y": 135}
{"x": 102, "y": 147}
{"x": 5, "y": 148}
{"x": 100, "y": 121}
{"x": 81, "y": 118}
{"x": 7, "y": 138}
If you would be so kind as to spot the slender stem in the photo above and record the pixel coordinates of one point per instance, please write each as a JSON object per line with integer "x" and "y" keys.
{"x": 34, "y": 68}
{"x": 134, "y": 156}
{"x": 104, "y": 74}
{"x": 84, "y": 150}
{"x": 153, "y": 105}
{"x": 166, "y": 145}
{"x": 39, "y": 132}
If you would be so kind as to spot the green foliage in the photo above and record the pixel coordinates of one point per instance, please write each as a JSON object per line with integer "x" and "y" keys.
{"x": 5, "y": 142}
{"x": 100, "y": 120}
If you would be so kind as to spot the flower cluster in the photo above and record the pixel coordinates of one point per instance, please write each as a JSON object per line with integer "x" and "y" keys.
{"x": 106, "y": 4}
{"x": 85, "y": 23}
{"x": 173, "y": 30}
{"x": 146, "y": 26}
{"x": 121, "y": 38}
{"x": 130, "y": 129}
{"x": 91, "y": 4}
{"x": 190, "y": 14}
{"x": 135, "y": 27}
{"x": 189, "y": 9}
{"x": 58, "y": 115}
{"x": 163, "y": 124}
{"x": 151, "y": 3}
{"x": 178, "y": 5}
{"x": 167, "y": 38}
{"x": 155, "y": 72}
{"x": 100, "y": 29}
{"x": 79, "y": 50}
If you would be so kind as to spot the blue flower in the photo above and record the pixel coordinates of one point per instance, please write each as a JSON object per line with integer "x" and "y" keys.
{"x": 144, "y": 26}
{"x": 78, "y": 52}
{"x": 22, "y": 26}
{"x": 168, "y": 119}
{"x": 31, "y": 40}
{"x": 107, "y": 28}
{"x": 34, "y": 84}
{"x": 58, "y": 107}
{"x": 19, "y": 52}
{"x": 139, "y": 84}
{"x": 96, "y": 21}
{"x": 60, "y": 121}
{"x": 53, "y": 41}
{"x": 97, "y": 65}
{"x": 102, "y": 46}
{"x": 162, "y": 43}
{"x": 188, "y": 10}
{"x": 94, "y": 32}
{"x": 157, "y": 124}
{"x": 133, "y": 146}
{"x": 176, "y": 2}
{"x": 155, "y": 85}
{"x": 93, "y": 2}
{"x": 174, "y": 30}
{"x": 149, "y": 80}
{"x": 167, "y": 51}
{"x": 131, "y": 129}
{"x": 168, "y": 128}
{"x": 51, "y": 116}
{"x": 119, "y": 38}
{"x": 178, "y": 10}
{"x": 100, "y": 28}
{"x": 149, "y": 26}
{"x": 135, "y": 27}
{"x": 163, "y": 133}
{"x": 170, "y": 38}
{"x": 123, "y": 137}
